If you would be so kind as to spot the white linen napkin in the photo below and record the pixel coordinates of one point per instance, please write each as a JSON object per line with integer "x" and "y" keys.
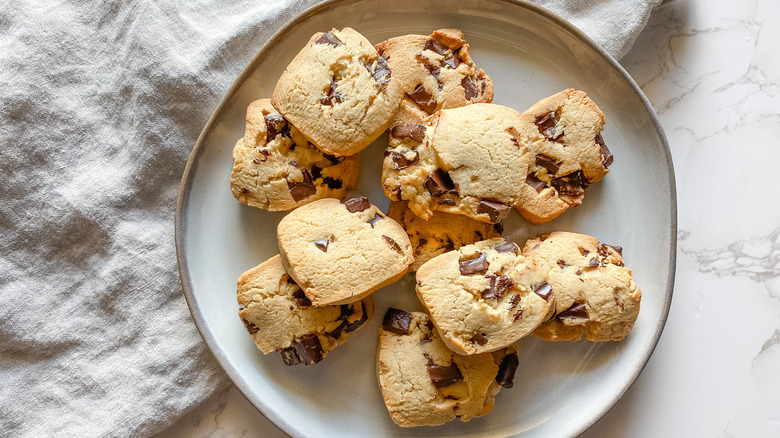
{"x": 100, "y": 105}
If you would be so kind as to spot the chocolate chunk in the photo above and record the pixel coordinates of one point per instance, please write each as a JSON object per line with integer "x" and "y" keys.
{"x": 546, "y": 123}
{"x": 393, "y": 244}
{"x": 443, "y": 376}
{"x": 577, "y": 310}
{"x": 572, "y": 184}
{"x": 468, "y": 87}
{"x": 316, "y": 172}
{"x": 322, "y": 245}
{"x": 507, "y": 247}
{"x": 496, "y": 211}
{"x": 544, "y": 290}
{"x": 345, "y": 312}
{"x": 290, "y": 356}
{"x": 604, "y": 252}
{"x": 518, "y": 314}
{"x": 477, "y": 264}
{"x": 250, "y": 327}
{"x": 584, "y": 251}
{"x": 547, "y": 162}
{"x": 415, "y": 132}
{"x": 329, "y": 39}
{"x": 301, "y": 190}
{"x": 432, "y": 69}
{"x": 402, "y": 162}
{"x": 593, "y": 262}
{"x": 309, "y": 349}
{"x": 537, "y": 184}
{"x": 376, "y": 219}
{"x": 331, "y": 96}
{"x": 498, "y": 285}
{"x": 396, "y": 321}
{"x": 453, "y": 61}
{"x": 479, "y": 339}
{"x": 562, "y": 264}
{"x": 274, "y": 124}
{"x": 435, "y": 46}
{"x": 514, "y": 301}
{"x": 332, "y": 183}
{"x": 606, "y": 155}
{"x": 439, "y": 183}
{"x": 447, "y": 201}
{"x": 423, "y": 99}
{"x": 351, "y": 327}
{"x": 357, "y": 204}
{"x": 381, "y": 73}
{"x": 293, "y": 163}
{"x": 507, "y": 369}
{"x": 333, "y": 159}
{"x": 290, "y": 280}
{"x": 498, "y": 227}
{"x": 301, "y": 298}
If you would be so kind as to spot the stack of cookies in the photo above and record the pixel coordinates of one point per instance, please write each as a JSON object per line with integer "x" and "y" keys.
{"x": 454, "y": 168}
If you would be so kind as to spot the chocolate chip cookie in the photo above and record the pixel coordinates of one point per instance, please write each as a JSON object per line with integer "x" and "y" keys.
{"x": 425, "y": 384}
{"x": 276, "y": 168}
{"x": 281, "y": 318}
{"x": 339, "y": 252}
{"x": 338, "y": 92}
{"x": 484, "y": 296}
{"x": 567, "y": 154}
{"x": 595, "y": 295}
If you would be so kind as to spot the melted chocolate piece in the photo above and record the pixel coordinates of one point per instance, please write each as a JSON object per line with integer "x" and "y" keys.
{"x": 469, "y": 88}
{"x": 357, "y": 204}
{"x": 402, "y": 162}
{"x": 572, "y": 184}
{"x": 290, "y": 356}
{"x": 301, "y": 298}
{"x": 301, "y": 190}
{"x": 443, "y": 376}
{"x": 507, "y": 247}
{"x": 479, "y": 339}
{"x": 351, "y": 327}
{"x": 333, "y": 159}
{"x": 316, "y": 172}
{"x": 537, "y": 184}
{"x": 518, "y": 314}
{"x": 593, "y": 262}
{"x": 329, "y": 39}
{"x": 507, "y": 369}
{"x": 603, "y": 251}
{"x": 435, "y": 46}
{"x": 309, "y": 349}
{"x": 274, "y": 124}
{"x": 453, "y": 61}
{"x": 547, "y": 162}
{"x": 432, "y": 69}
{"x": 439, "y": 183}
{"x": 396, "y": 321}
{"x": 496, "y": 211}
{"x": 544, "y": 290}
{"x": 332, "y": 95}
{"x": 332, "y": 183}
{"x": 606, "y": 155}
{"x": 415, "y": 132}
{"x": 498, "y": 227}
{"x": 475, "y": 265}
{"x": 514, "y": 301}
{"x": 376, "y": 219}
{"x": 393, "y": 244}
{"x": 498, "y": 285}
{"x": 577, "y": 310}
{"x": 423, "y": 99}
{"x": 250, "y": 327}
{"x": 322, "y": 245}
{"x": 381, "y": 73}
{"x": 546, "y": 123}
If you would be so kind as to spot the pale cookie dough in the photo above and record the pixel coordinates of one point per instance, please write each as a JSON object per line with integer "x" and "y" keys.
{"x": 425, "y": 384}
{"x": 484, "y": 296}
{"x": 595, "y": 295}
{"x": 339, "y": 92}
{"x": 442, "y": 232}
{"x": 339, "y": 252}
{"x": 276, "y": 168}
{"x": 567, "y": 154}
{"x": 470, "y": 161}
{"x": 281, "y": 318}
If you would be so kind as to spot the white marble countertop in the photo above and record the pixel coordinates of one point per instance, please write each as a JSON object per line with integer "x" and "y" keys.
{"x": 711, "y": 70}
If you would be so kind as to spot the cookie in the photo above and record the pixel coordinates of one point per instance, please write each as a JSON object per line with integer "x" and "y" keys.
{"x": 469, "y": 161}
{"x": 276, "y": 168}
{"x": 339, "y": 252}
{"x": 338, "y": 92}
{"x": 595, "y": 295}
{"x": 567, "y": 154}
{"x": 280, "y": 318}
{"x": 484, "y": 296}
{"x": 425, "y": 384}
{"x": 442, "y": 232}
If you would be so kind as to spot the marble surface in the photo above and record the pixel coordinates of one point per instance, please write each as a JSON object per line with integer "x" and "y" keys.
{"x": 710, "y": 69}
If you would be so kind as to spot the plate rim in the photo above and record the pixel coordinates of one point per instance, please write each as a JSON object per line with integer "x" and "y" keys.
{"x": 182, "y": 204}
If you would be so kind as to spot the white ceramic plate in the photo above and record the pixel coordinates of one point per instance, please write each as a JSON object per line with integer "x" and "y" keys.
{"x": 561, "y": 389}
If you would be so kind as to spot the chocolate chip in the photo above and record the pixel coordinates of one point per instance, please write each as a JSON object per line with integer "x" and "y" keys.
{"x": 479, "y": 339}
{"x": 593, "y": 262}
{"x": 604, "y": 253}
{"x": 572, "y": 184}
{"x": 393, "y": 244}
{"x": 301, "y": 298}
{"x": 290, "y": 356}
{"x": 381, "y": 73}
{"x": 468, "y": 87}
{"x": 507, "y": 369}
{"x": 396, "y": 321}
{"x": 443, "y": 376}
{"x": 439, "y": 183}
{"x": 250, "y": 327}
{"x": 432, "y": 69}
{"x": 544, "y": 290}
{"x": 583, "y": 251}
{"x": 376, "y": 219}
{"x": 416, "y": 132}
{"x": 333, "y": 159}
{"x": 301, "y": 190}
{"x": 274, "y": 124}
{"x": 332, "y": 95}
{"x": 423, "y": 99}
{"x": 290, "y": 280}
{"x": 498, "y": 286}
{"x": 357, "y": 204}
{"x": 507, "y": 247}
{"x": 435, "y": 46}
{"x": 351, "y": 327}
{"x": 453, "y": 61}
{"x": 329, "y": 39}
{"x": 548, "y": 163}
{"x": 537, "y": 184}
{"x": 518, "y": 314}
{"x": 345, "y": 312}
{"x": 332, "y": 183}
{"x": 514, "y": 301}
{"x": 316, "y": 172}
{"x": 322, "y": 245}
{"x": 477, "y": 264}
{"x": 606, "y": 155}
{"x": 309, "y": 349}
{"x": 498, "y": 227}
{"x": 402, "y": 162}
{"x": 496, "y": 211}
{"x": 577, "y": 310}
{"x": 546, "y": 123}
